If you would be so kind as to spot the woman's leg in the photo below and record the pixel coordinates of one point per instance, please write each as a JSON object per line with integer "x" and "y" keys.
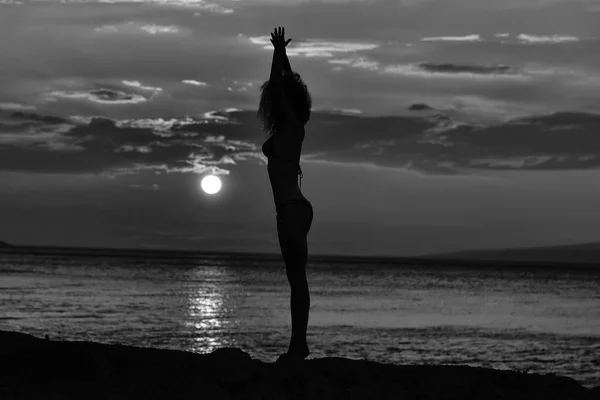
{"x": 299, "y": 300}
{"x": 293, "y": 224}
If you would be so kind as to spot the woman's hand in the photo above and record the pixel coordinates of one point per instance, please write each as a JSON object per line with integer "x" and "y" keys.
{"x": 278, "y": 38}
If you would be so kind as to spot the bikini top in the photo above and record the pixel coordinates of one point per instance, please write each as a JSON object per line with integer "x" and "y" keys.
{"x": 268, "y": 151}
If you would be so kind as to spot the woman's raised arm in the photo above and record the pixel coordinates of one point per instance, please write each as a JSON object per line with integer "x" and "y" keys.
{"x": 280, "y": 60}
{"x": 287, "y": 68}
{"x": 276, "y": 80}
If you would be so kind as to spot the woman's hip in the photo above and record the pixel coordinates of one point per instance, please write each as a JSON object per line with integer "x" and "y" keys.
{"x": 295, "y": 216}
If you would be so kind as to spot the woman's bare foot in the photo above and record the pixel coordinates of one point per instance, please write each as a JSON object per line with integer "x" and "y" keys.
{"x": 295, "y": 353}
{"x": 299, "y": 351}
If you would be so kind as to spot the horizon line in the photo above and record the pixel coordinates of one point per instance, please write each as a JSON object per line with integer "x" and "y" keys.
{"x": 439, "y": 259}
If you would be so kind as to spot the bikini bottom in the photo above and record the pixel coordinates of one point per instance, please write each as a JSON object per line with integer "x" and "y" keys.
{"x": 296, "y": 214}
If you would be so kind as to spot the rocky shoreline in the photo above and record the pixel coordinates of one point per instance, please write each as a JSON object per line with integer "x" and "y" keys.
{"x": 35, "y": 368}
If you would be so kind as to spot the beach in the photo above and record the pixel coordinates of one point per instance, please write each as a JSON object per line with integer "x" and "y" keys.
{"x": 35, "y": 368}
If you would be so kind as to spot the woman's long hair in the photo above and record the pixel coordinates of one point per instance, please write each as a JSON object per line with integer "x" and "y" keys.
{"x": 296, "y": 93}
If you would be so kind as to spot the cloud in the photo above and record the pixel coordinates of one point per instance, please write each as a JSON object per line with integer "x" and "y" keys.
{"x": 139, "y": 149}
{"x": 102, "y": 96}
{"x": 563, "y": 140}
{"x": 37, "y": 118}
{"x": 440, "y": 145}
{"x": 36, "y": 132}
{"x": 240, "y": 86}
{"x": 522, "y": 38}
{"x": 537, "y": 39}
{"x": 447, "y": 70}
{"x": 137, "y": 27}
{"x": 221, "y": 140}
{"x": 193, "y": 82}
{"x": 471, "y": 69}
{"x": 511, "y": 162}
{"x": 356, "y": 62}
{"x": 154, "y": 29}
{"x": 137, "y": 84}
{"x": 313, "y": 47}
{"x": 194, "y": 4}
{"x": 419, "y": 107}
{"x": 159, "y": 126}
{"x": 16, "y": 106}
{"x": 107, "y": 29}
{"x": 467, "y": 38}
{"x": 120, "y": 147}
{"x": 351, "y": 111}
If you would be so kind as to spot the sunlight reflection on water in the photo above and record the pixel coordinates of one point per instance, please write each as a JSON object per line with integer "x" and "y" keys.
{"x": 206, "y": 317}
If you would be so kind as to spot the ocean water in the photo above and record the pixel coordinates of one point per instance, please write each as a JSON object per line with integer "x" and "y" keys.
{"x": 543, "y": 321}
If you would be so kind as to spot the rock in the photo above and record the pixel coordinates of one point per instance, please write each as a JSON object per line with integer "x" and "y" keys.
{"x": 232, "y": 366}
{"x": 33, "y": 368}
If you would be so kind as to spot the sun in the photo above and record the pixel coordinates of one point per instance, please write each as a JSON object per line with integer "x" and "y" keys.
{"x": 210, "y": 184}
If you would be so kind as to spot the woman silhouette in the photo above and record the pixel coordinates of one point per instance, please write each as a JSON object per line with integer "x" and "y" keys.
{"x": 284, "y": 110}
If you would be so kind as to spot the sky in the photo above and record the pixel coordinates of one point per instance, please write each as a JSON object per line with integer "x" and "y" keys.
{"x": 437, "y": 125}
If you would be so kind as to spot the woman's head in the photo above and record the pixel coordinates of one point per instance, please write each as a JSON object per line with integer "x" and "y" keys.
{"x": 297, "y": 95}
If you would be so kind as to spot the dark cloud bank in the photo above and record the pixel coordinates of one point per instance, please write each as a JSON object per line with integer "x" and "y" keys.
{"x": 432, "y": 143}
{"x": 473, "y": 69}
